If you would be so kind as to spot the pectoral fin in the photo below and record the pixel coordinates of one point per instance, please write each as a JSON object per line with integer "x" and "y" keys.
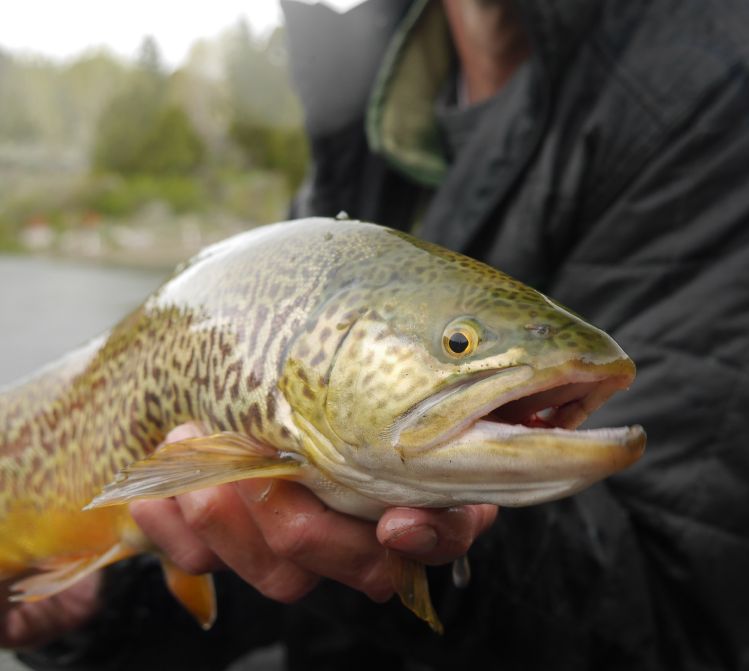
{"x": 59, "y": 574}
{"x": 195, "y": 463}
{"x": 195, "y": 592}
{"x": 410, "y": 582}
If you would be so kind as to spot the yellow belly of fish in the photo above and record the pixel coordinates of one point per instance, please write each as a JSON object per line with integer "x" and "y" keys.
{"x": 34, "y": 538}
{"x": 60, "y": 547}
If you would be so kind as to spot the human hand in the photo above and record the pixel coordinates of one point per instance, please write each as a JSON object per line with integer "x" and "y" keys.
{"x": 279, "y": 537}
{"x": 30, "y": 625}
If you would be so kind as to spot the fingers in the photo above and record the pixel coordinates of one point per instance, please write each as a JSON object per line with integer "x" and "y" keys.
{"x": 222, "y": 520}
{"x": 434, "y": 536}
{"x": 163, "y": 522}
{"x": 29, "y": 625}
{"x": 300, "y": 528}
{"x": 280, "y": 538}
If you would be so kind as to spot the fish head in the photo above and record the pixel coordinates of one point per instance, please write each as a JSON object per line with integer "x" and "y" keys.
{"x": 455, "y": 383}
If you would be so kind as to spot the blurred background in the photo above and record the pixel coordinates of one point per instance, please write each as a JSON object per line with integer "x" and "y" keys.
{"x": 131, "y": 135}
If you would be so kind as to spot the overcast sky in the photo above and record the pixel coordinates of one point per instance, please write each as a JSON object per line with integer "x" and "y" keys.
{"x": 63, "y": 29}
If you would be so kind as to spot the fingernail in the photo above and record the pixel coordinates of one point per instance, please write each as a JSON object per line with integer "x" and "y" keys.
{"x": 417, "y": 540}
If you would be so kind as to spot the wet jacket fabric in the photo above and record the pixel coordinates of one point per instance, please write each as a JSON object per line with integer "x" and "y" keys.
{"x": 613, "y": 176}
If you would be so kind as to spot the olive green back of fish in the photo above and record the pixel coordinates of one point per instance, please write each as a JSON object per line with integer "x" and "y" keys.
{"x": 242, "y": 340}
{"x": 208, "y": 346}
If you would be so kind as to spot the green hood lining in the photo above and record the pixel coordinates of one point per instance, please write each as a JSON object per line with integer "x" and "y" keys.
{"x": 401, "y": 124}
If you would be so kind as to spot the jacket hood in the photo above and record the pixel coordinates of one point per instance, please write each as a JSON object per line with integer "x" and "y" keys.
{"x": 335, "y": 57}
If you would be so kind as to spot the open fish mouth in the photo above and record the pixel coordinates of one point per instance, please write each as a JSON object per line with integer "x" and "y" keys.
{"x": 556, "y": 398}
{"x": 523, "y": 445}
{"x": 564, "y": 406}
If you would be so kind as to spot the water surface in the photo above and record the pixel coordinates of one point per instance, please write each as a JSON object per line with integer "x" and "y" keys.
{"x": 48, "y": 307}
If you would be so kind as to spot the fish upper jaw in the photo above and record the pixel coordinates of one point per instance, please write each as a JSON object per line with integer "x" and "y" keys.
{"x": 562, "y": 396}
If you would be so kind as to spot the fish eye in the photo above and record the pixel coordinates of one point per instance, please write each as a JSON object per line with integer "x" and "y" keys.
{"x": 460, "y": 340}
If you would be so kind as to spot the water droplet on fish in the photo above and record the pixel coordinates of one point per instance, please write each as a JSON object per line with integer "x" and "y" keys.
{"x": 461, "y": 572}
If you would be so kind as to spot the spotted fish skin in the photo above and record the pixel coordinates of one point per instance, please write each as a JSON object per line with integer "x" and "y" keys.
{"x": 324, "y": 340}
{"x": 207, "y": 347}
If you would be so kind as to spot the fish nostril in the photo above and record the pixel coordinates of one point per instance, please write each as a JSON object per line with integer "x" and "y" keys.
{"x": 540, "y": 330}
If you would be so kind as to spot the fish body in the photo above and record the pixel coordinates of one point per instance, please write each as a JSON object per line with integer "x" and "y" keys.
{"x": 372, "y": 367}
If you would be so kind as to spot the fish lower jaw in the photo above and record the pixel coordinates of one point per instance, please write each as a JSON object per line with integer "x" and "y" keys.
{"x": 487, "y": 430}
{"x": 550, "y": 399}
{"x": 502, "y": 464}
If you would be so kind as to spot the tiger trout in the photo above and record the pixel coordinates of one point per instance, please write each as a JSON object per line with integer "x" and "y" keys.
{"x": 372, "y": 367}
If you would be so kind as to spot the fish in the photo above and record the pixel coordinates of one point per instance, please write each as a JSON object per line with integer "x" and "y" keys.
{"x": 370, "y": 366}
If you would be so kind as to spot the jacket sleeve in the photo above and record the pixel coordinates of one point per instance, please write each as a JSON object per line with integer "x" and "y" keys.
{"x": 141, "y": 626}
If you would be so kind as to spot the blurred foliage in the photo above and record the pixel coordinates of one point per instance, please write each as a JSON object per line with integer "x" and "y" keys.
{"x": 265, "y": 119}
{"x": 141, "y": 131}
{"x": 117, "y": 196}
{"x": 137, "y": 136}
{"x": 57, "y": 105}
{"x": 97, "y": 138}
{"x": 277, "y": 149}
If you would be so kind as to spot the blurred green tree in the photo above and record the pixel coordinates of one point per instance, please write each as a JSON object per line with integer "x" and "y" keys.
{"x": 265, "y": 114}
{"x": 141, "y": 131}
{"x": 273, "y": 148}
{"x": 172, "y": 146}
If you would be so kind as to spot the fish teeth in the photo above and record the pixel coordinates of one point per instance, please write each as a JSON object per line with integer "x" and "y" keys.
{"x": 546, "y": 414}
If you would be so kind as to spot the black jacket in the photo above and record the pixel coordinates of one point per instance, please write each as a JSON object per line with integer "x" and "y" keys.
{"x": 619, "y": 185}
{"x": 617, "y": 181}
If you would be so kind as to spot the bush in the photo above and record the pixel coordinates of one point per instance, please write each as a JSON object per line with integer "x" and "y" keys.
{"x": 138, "y": 133}
{"x": 119, "y": 196}
{"x": 275, "y": 149}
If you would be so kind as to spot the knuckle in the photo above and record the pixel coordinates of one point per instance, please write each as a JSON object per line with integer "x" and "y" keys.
{"x": 284, "y": 588}
{"x": 194, "y": 560}
{"x": 377, "y": 586}
{"x": 291, "y": 542}
{"x": 202, "y": 510}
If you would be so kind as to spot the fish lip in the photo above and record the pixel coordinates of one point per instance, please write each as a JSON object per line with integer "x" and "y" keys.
{"x": 583, "y": 389}
{"x": 569, "y": 461}
{"x": 412, "y": 414}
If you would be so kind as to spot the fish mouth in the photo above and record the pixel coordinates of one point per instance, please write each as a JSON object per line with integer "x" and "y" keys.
{"x": 562, "y": 397}
{"x": 565, "y": 405}
{"x": 521, "y": 446}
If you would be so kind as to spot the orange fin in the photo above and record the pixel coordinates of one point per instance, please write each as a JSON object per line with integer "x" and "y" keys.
{"x": 195, "y": 592}
{"x": 195, "y": 463}
{"x": 61, "y": 573}
{"x": 409, "y": 579}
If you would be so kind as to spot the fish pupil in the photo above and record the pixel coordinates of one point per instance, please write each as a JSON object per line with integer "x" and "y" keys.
{"x": 458, "y": 343}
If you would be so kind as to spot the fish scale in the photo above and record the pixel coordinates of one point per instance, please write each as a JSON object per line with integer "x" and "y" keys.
{"x": 310, "y": 350}
{"x": 79, "y": 425}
